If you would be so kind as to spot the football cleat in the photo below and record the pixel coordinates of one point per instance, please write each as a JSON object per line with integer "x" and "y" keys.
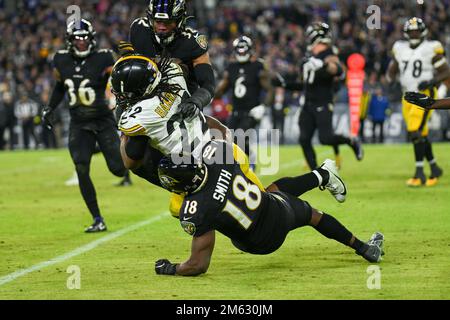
{"x": 125, "y": 182}
{"x": 72, "y": 181}
{"x": 373, "y": 249}
{"x": 97, "y": 226}
{"x": 357, "y": 148}
{"x": 418, "y": 180}
{"x": 431, "y": 182}
{"x": 335, "y": 184}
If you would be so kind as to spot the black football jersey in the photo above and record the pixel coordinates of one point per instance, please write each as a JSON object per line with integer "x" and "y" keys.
{"x": 85, "y": 82}
{"x": 319, "y": 88}
{"x": 229, "y": 202}
{"x": 187, "y": 46}
{"x": 245, "y": 83}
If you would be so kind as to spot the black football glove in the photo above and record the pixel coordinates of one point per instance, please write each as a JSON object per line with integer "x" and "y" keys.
{"x": 419, "y": 99}
{"x": 424, "y": 85}
{"x": 164, "y": 266}
{"x": 125, "y": 48}
{"x": 46, "y": 117}
{"x": 188, "y": 109}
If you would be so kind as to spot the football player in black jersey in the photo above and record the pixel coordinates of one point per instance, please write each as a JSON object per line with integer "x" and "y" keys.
{"x": 220, "y": 196}
{"x": 82, "y": 72}
{"x": 163, "y": 33}
{"x": 247, "y": 77}
{"x": 320, "y": 71}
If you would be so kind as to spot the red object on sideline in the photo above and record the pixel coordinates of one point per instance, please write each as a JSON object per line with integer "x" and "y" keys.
{"x": 355, "y": 85}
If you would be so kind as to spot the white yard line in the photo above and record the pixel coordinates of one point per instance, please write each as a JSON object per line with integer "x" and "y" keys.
{"x": 80, "y": 250}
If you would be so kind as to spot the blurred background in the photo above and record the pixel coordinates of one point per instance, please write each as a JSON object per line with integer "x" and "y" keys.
{"x": 33, "y": 30}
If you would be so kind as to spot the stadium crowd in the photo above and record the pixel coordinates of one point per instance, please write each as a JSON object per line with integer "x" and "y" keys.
{"x": 33, "y": 31}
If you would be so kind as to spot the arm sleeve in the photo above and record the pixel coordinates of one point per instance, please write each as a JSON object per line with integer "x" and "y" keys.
{"x": 136, "y": 147}
{"x": 57, "y": 95}
{"x": 205, "y": 77}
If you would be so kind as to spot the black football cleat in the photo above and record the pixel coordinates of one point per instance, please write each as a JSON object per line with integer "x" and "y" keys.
{"x": 126, "y": 182}
{"x": 373, "y": 249}
{"x": 357, "y": 148}
{"x": 97, "y": 226}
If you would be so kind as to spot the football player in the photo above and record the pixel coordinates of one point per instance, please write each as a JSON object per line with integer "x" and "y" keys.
{"x": 151, "y": 96}
{"x": 247, "y": 77}
{"x": 320, "y": 71}
{"x": 82, "y": 72}
{"x": 164, "y": 32}
{"x": 219, "y": 196}
{"x": 415, "y": 60}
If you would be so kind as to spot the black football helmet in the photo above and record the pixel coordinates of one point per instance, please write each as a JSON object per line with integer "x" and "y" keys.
{"x": 167, "y": 10}
{"x": 181, "y": 178}
{"x": 133, "y": 78}
{"x": 80, "y": 38}
{"x": 318, "y": 32}
{"x": 415, "y": 31}
{"x": 243, "y": 49}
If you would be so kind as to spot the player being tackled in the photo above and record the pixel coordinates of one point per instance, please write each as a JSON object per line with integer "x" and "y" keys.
{"x": 220, "y": 196}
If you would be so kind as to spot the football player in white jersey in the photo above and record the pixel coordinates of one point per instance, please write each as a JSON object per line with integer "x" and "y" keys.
{"x": 152, "y": 126}
{"x": 421, "y": 66}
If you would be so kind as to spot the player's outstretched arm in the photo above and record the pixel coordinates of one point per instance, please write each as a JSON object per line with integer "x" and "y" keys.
{"x": 198, "y": 263}
{"x": 55, "y": 99}
{"x": 426, "y": 102}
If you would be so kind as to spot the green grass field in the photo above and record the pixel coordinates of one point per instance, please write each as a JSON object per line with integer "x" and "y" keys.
{"x": 41, "y": 219}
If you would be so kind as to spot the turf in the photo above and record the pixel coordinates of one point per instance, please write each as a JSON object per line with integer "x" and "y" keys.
{"x": 40, "y": 219}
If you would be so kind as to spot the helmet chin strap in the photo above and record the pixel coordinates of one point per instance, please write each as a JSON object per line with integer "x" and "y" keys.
{"x": 165, "y": 40}
{"x": 82, "y": 54}
{"x": 243, "y": 59}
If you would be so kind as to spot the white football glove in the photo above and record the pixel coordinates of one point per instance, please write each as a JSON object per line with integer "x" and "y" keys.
{"x": 313, "y": 64}
{"x": 257, "y": 112}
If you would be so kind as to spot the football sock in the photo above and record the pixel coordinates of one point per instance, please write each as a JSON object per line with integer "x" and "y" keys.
{"x": 333, "y": 229}
{"x": 87, "y": 190}
{"x": 297, "y": 186}
{"x": 419, "y": 153}
{"x": 429, "y": 152}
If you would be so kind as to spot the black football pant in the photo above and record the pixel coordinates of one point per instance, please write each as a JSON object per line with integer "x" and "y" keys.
{"x": 82, "y": 145}
{"x": 320, "y": 118}
{"x": 241, "y": 120}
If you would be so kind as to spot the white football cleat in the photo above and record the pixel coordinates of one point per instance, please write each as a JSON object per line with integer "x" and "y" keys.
{"x": 73, "y": 181}
{"x": 335, "y": 184}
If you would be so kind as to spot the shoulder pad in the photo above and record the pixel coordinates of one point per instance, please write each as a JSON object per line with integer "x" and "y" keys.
{"x": 142, "y": 21}
{"x": 64, "y": 51}
{"x": 438, "y": 48}
{"x": 200, "y": 39}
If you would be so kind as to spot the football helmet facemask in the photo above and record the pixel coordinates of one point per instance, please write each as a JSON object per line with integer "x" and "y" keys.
{"x": 133, "y": 78}
{"x": 318, "y": 32}
{"x": 181, "y": 178}
{"x": 243, "y": 49}
{"x": 415, "y": 31}
{"x": 80, "y": 38}
{"x": 167, "y": 11}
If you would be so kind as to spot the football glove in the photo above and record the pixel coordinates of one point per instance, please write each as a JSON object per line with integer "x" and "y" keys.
{"x": 125, "y": 48}
{"x": 257, "y": 112}
{"x": 419, "y": 99}
{"x": 46, "y": 117}
{"x": 424, "y": 85}
{"x": 164, "y": 266}
{"x": 188, "y": 109}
